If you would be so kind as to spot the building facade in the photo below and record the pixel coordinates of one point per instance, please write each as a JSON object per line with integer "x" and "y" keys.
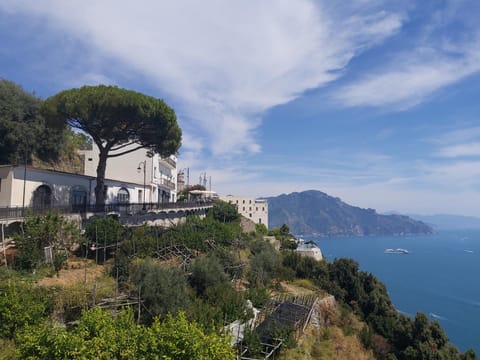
{"x": 32, "y": 187}
{"x": 250, "y": 207}
{"x": 158, "y": 174}
{"x": 131, "y": 178}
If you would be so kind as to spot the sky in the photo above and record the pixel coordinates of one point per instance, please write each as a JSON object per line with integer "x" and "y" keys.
{"x": 375, "y": 102}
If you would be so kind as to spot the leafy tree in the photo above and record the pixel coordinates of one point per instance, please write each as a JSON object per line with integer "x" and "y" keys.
{"x": 104, "y": 230}
{"x": 265, "y": 265}
{"x": 207, "y": 271}
{"x": 224, "y": 212}
{"x": 261, "y": 229}
{"x": 163, "y": 290}
{"x": 284, "y": 230}
{"x": 101, "y": 336}
{"x": 20, "y": 305}
{"x": 49, "y": 229}
{"x": 23, "y": 131}
{"x": 115, "y": 119}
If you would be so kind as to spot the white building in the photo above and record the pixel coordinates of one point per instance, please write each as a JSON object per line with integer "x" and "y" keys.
{"x": 131, "y": 178}
{"x": 33, "y": 187}
{"x": 253, "y": 209}
{"x": 310, "y": 250}
{"x": 158, "y": 174}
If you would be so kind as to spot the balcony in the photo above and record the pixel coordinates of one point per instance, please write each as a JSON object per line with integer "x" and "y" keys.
{"x": 168, "y": 184}
{"x": 168, "y": 162}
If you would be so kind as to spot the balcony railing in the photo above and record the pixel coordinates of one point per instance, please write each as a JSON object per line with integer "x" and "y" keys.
{"x": 169, "y": 161}
{"x": 10, "y": 213}
{"x": 167, "y": 183}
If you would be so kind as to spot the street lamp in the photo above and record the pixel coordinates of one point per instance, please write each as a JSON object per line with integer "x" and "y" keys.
{"x": 139, "y": 168}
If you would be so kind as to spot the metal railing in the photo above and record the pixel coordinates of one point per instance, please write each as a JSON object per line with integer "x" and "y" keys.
{"x": 169, "y": 161}
{"x": 121, "y": 209}
{"x": 167, "y": 183}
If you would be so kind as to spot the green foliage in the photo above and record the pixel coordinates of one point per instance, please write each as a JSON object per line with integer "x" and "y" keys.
{"x": 284, "y": 230}
{"x": 195, "y": 232}
{"x": 206, "y": 272}
{"x": 21, "y": 305}
{"x": 261, "y": 229}
{"x": 101, "y": 336}
{"x": 58, "y": 261}
{"x": 23, "y": 131}
{"x": 259, "y": 296}
{"x": 49, "y": 229}
{"x": 115, "y": 118}
{"x": 368, "y": 297}
{"x": 264, "y": 265}
{"x": 224, "y": 212}
{"x": 104, "y": 230}
{"x": 253, "y": 343}
{"x": 163, "y": 290}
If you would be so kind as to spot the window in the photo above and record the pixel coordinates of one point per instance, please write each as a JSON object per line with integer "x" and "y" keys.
{"x": 250, "y": 208}
{"x": 249, "y": 201}
{"x": 244, "y": 208}
{"x": 259, "y": 220}
{"x": 250, "y": 215}
{"x": 123, "y": 197}
{"x": 244, "y": 201}
{"x": 237, "y": 201}
{"x": 140, "y": 196}
{"x": 256, "y": 209}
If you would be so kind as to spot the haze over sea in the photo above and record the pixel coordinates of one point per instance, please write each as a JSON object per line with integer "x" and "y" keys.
{"x": 438, "y": 277}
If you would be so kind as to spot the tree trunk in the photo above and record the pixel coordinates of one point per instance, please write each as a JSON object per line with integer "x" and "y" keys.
{"x": 100, "y": 187}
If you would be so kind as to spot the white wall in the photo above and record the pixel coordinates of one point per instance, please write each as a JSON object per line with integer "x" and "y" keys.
{"x": 158, "y": 173}
{"x": 253, "y": 209}
{"x": 61, "y": 184}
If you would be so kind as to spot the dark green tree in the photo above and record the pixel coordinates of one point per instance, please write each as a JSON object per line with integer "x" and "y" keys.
{"x": 224, "y": 212}
{"x": 119, "y": 121}
{"x": 23, "y": 131}
{"x": 162, "y": 289}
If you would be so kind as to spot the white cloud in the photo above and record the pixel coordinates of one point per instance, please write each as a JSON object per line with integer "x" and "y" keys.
{"x": 470, "y": 149}
{"x": 225, "y": 63}
{"x": 410, "y": 79}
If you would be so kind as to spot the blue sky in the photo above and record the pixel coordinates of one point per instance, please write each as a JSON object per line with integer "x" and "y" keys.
{"x": 375, "y": 102}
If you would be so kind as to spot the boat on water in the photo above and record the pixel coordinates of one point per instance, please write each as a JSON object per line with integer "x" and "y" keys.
{"x": 396, "y": 251}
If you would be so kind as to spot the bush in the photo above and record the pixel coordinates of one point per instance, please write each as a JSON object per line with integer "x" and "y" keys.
{"x": 163, "y": 290}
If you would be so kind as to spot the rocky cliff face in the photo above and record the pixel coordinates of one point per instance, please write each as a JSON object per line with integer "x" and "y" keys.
{"x": 316, "y": 213}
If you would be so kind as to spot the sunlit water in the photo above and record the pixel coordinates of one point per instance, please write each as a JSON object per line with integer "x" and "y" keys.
{"x": 440, "y": 276}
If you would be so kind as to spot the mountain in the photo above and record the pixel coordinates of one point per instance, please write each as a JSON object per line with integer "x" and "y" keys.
{"x": 318, "y": 214}
{"x": 449, "y": 222}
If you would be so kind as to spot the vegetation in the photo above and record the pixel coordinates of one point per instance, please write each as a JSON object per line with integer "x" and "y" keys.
{"x": 115, "y": 119}
{"x": 101, "y": 336}
{"x": 49, "y": 230}
{"x": 23, "y": 131}
{"x": 180, "y": 300}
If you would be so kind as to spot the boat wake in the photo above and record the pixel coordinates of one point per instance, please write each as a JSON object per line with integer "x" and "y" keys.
{"x": 396, "y": 251}
{"x": 437, "y": 317}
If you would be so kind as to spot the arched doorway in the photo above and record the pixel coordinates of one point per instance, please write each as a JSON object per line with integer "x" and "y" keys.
{"x": 42, "y": 197}
{"x": 78, "y": 199}
{"x": 123, "y": 196}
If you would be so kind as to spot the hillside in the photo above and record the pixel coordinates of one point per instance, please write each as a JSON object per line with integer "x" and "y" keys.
{"x": 316, "y": 213}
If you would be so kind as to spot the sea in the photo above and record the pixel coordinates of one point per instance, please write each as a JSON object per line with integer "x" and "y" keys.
{"x": 440, "y": 276}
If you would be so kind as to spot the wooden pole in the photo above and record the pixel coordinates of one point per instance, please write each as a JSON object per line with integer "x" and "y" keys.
{"x": 4, "y": 248}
